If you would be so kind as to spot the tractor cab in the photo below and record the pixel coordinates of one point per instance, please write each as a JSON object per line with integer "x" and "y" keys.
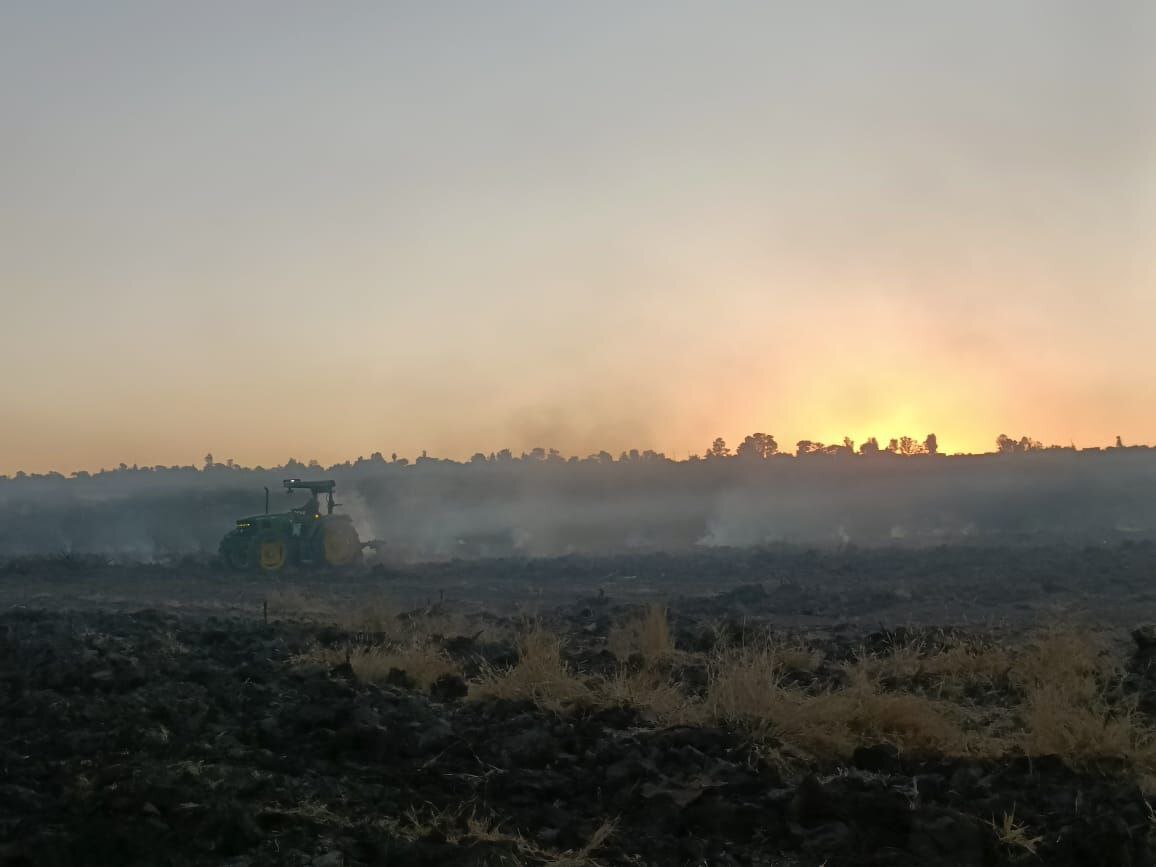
{"x": 311, "y": 509}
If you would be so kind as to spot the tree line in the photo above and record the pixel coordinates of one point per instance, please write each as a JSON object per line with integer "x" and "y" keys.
{"x": 754, "y": 447}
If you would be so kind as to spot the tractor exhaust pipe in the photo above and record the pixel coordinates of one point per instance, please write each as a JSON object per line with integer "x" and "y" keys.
{"x": 266, "y": 500}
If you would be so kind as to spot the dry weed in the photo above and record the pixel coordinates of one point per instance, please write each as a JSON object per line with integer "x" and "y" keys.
{"x": 292, "y": 602}
{"x": 421, "y": 661}
{"x": 746, "y": 688}
{"x": 1065, "y": 679}
{"x": 1015, "y": 835}
{"x": 460, "y": 827}
{"x": 648, "y": 635}
{"x": 652, "y": 690}
{"x": 540, "y": 674}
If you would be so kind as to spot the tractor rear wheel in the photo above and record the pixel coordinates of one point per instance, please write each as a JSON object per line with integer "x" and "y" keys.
{"x": 272, "y": 553}
{"x": 340, "y": 543}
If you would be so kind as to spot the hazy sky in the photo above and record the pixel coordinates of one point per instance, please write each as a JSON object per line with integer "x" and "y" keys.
{"x": 323, "y": 229}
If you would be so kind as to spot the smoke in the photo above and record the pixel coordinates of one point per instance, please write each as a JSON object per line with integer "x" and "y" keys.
{"x": 443, "y": 510}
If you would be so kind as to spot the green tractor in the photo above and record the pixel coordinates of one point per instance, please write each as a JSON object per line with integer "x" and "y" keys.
{"x": 302, "y": 536}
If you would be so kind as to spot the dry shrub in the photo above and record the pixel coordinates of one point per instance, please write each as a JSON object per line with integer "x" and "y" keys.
{"x": 374, "y": 614}
{"x": 464, "y": 826}
{"x": 1077, "y": 664}
{"x": 746, "y": 688}
{"x": 292, "y": 602}
{"x": 1066, "y": 679}
{"x": 1015, "y": 835}
{"x": 425, "y": 664}
{"x": 422, "y": 662}
{"x": 648, "y": 635}
{"x": 540, "y": 674}
{"x": 651, "y": 690}
{"x": 795, "y": 656}
{"x": 951, "y": 665}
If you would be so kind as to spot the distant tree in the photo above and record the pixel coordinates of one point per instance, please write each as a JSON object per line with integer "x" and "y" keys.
{"x": 604, "y": 457}
{"x": 478, "y": 458}
{"x": 209, "y": 461}
{"x": 870, "y": 447}
{"x": 535, "y": 454}
{"x": 931, "y": 444}
{"x": 718, "y": 449}
{"x": 554, "y": 456}
{"x": 1007, "y": 445}
{"x": 757, "y": 445}
{"x": 1119, "y": 442}
{"x": 505, "y": 455}
{"x": 849, "y": 445}
{"x": 808, "y": 447}
{"x": 910, "y": 446}
{"x": 893, "y": 446}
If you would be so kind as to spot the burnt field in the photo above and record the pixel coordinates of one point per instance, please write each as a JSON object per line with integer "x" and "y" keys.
{"x": 736, "y": 706}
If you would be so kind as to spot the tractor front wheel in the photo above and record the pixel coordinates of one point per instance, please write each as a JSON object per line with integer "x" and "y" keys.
{"x": 272, "y": 553}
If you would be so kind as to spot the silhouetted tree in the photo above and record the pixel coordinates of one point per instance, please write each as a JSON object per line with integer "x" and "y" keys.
{"x": 808, "y": 447}
{"x": 893, "y": 446}
{"x": 931, "y": 444}
{"x": 1007, "y": 445}
{"x": 870, "y": 447}
{"x": 910, "y": 446}
{"x": 718, "y": 449}
{"x": 757, "y": 445}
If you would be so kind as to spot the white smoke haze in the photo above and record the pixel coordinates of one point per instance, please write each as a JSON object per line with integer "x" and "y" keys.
{"x": 438, "y": 510}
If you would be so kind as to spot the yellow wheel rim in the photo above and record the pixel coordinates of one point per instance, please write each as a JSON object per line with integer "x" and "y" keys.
{"x": 341, "y": 544}
{"x": 272, "y": 555}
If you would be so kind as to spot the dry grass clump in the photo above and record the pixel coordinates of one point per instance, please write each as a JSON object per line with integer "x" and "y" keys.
{"x": 651, "y": 690}
{"x": 377, "y": 615}
{"x": 1068, "y": 709}
{"x": 648, "y": 636}
{"x": 1015, "y": 835}
{"x": 466, "y": 827}
{"x": 746, "y": 688}
{"x": 949, "y": 666}
{"x": 294, "y": 603}
{"x": 540, "y": 674}
{"x": 423, "y": 662}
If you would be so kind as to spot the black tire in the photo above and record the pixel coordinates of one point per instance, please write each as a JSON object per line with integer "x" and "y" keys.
{"x": 272, "y": 552}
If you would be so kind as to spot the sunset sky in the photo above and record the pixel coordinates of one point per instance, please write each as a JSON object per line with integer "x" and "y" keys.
{"x": 273, "y": 229}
